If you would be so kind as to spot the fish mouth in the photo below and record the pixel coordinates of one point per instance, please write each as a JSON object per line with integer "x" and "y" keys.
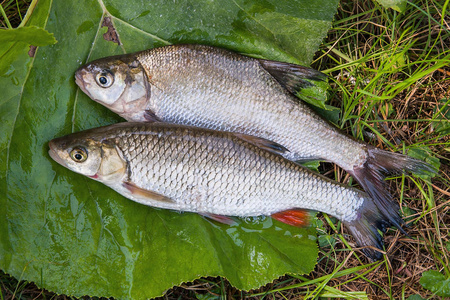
{"x": 54, "y": 154}
{"x": 80, "y": 82}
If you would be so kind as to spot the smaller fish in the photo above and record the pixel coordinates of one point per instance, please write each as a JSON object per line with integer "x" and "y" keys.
{"x": 216, "y": 174}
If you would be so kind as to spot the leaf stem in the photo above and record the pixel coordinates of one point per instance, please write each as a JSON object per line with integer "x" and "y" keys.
{"x": 29, "y": 13}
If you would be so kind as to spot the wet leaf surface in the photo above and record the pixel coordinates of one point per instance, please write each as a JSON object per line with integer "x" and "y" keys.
{"x": 75, "y": 236}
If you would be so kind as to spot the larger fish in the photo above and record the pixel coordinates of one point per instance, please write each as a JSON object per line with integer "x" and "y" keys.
{"x": 213, "y": 88}
{"x": 215, "y": 174}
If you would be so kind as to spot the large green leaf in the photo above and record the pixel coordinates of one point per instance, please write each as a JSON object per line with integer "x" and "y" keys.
{"x": 436, "y": 282}
{"x": 75, "y": 236}
{"x": 15, "y": 65}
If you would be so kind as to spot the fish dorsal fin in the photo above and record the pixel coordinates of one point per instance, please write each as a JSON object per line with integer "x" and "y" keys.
{"x": 294, "y": 217}
{"x": 293, "y": 77}
{"x": 219, "y": 218}
{"x": 263, "y": 143}
{"x": 144, "y": 194}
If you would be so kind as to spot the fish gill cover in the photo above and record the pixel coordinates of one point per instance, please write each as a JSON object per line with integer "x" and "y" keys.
{"x": 75, "y": 236}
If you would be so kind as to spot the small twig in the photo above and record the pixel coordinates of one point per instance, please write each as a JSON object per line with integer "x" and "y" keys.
{"x": 442, "y": 191}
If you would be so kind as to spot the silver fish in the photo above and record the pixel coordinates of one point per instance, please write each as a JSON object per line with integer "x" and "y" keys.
{"x": 214, "y": 174}
{"x": 213, "y": 88}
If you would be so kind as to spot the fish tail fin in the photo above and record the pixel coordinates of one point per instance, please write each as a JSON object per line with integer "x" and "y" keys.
{"x": 371, "y": 177}
{"x": 391, "y": 162}
{"x": 368, "y": 224}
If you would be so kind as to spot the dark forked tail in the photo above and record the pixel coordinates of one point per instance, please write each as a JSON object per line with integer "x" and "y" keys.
{"x": 390, "y": 162}
{"x": 371, "y": 177}
{"x": 369, "y": 222}
{"x": 381, "y": 211}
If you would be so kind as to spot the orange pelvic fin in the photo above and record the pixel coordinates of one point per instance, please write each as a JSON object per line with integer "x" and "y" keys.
{"x": 294, "y": 217}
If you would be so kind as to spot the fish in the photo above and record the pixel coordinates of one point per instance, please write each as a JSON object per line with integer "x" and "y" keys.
{"x": 216, "y": 174}
{"x": 213, "y": 88}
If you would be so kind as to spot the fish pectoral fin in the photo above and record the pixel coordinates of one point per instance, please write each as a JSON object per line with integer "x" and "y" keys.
{"x": 145, "y": 194}
{"x": 219, "y": 218}
{"x": 263, "y": 143}
{"x": 294, "y": 217}
{"x": 293, "y": 77}
{"x": 150, "y": 116}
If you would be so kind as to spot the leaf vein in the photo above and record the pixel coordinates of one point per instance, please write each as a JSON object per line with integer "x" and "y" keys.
{"x": 142, "y": 31}
{"x": 256, "y": 21}
{"x": 87, "y": 59}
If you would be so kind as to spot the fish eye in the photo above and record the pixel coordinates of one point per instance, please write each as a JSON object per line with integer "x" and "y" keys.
{"x": 105, "y": 79}
{"x": 78, "y": 154}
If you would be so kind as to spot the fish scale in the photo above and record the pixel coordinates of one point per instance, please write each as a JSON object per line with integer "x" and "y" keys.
{"x": 214, "y": 88}
{"x": 255, "y": 175}
{"x": 214, "y": 173}
{"x": 266, "y": 102}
